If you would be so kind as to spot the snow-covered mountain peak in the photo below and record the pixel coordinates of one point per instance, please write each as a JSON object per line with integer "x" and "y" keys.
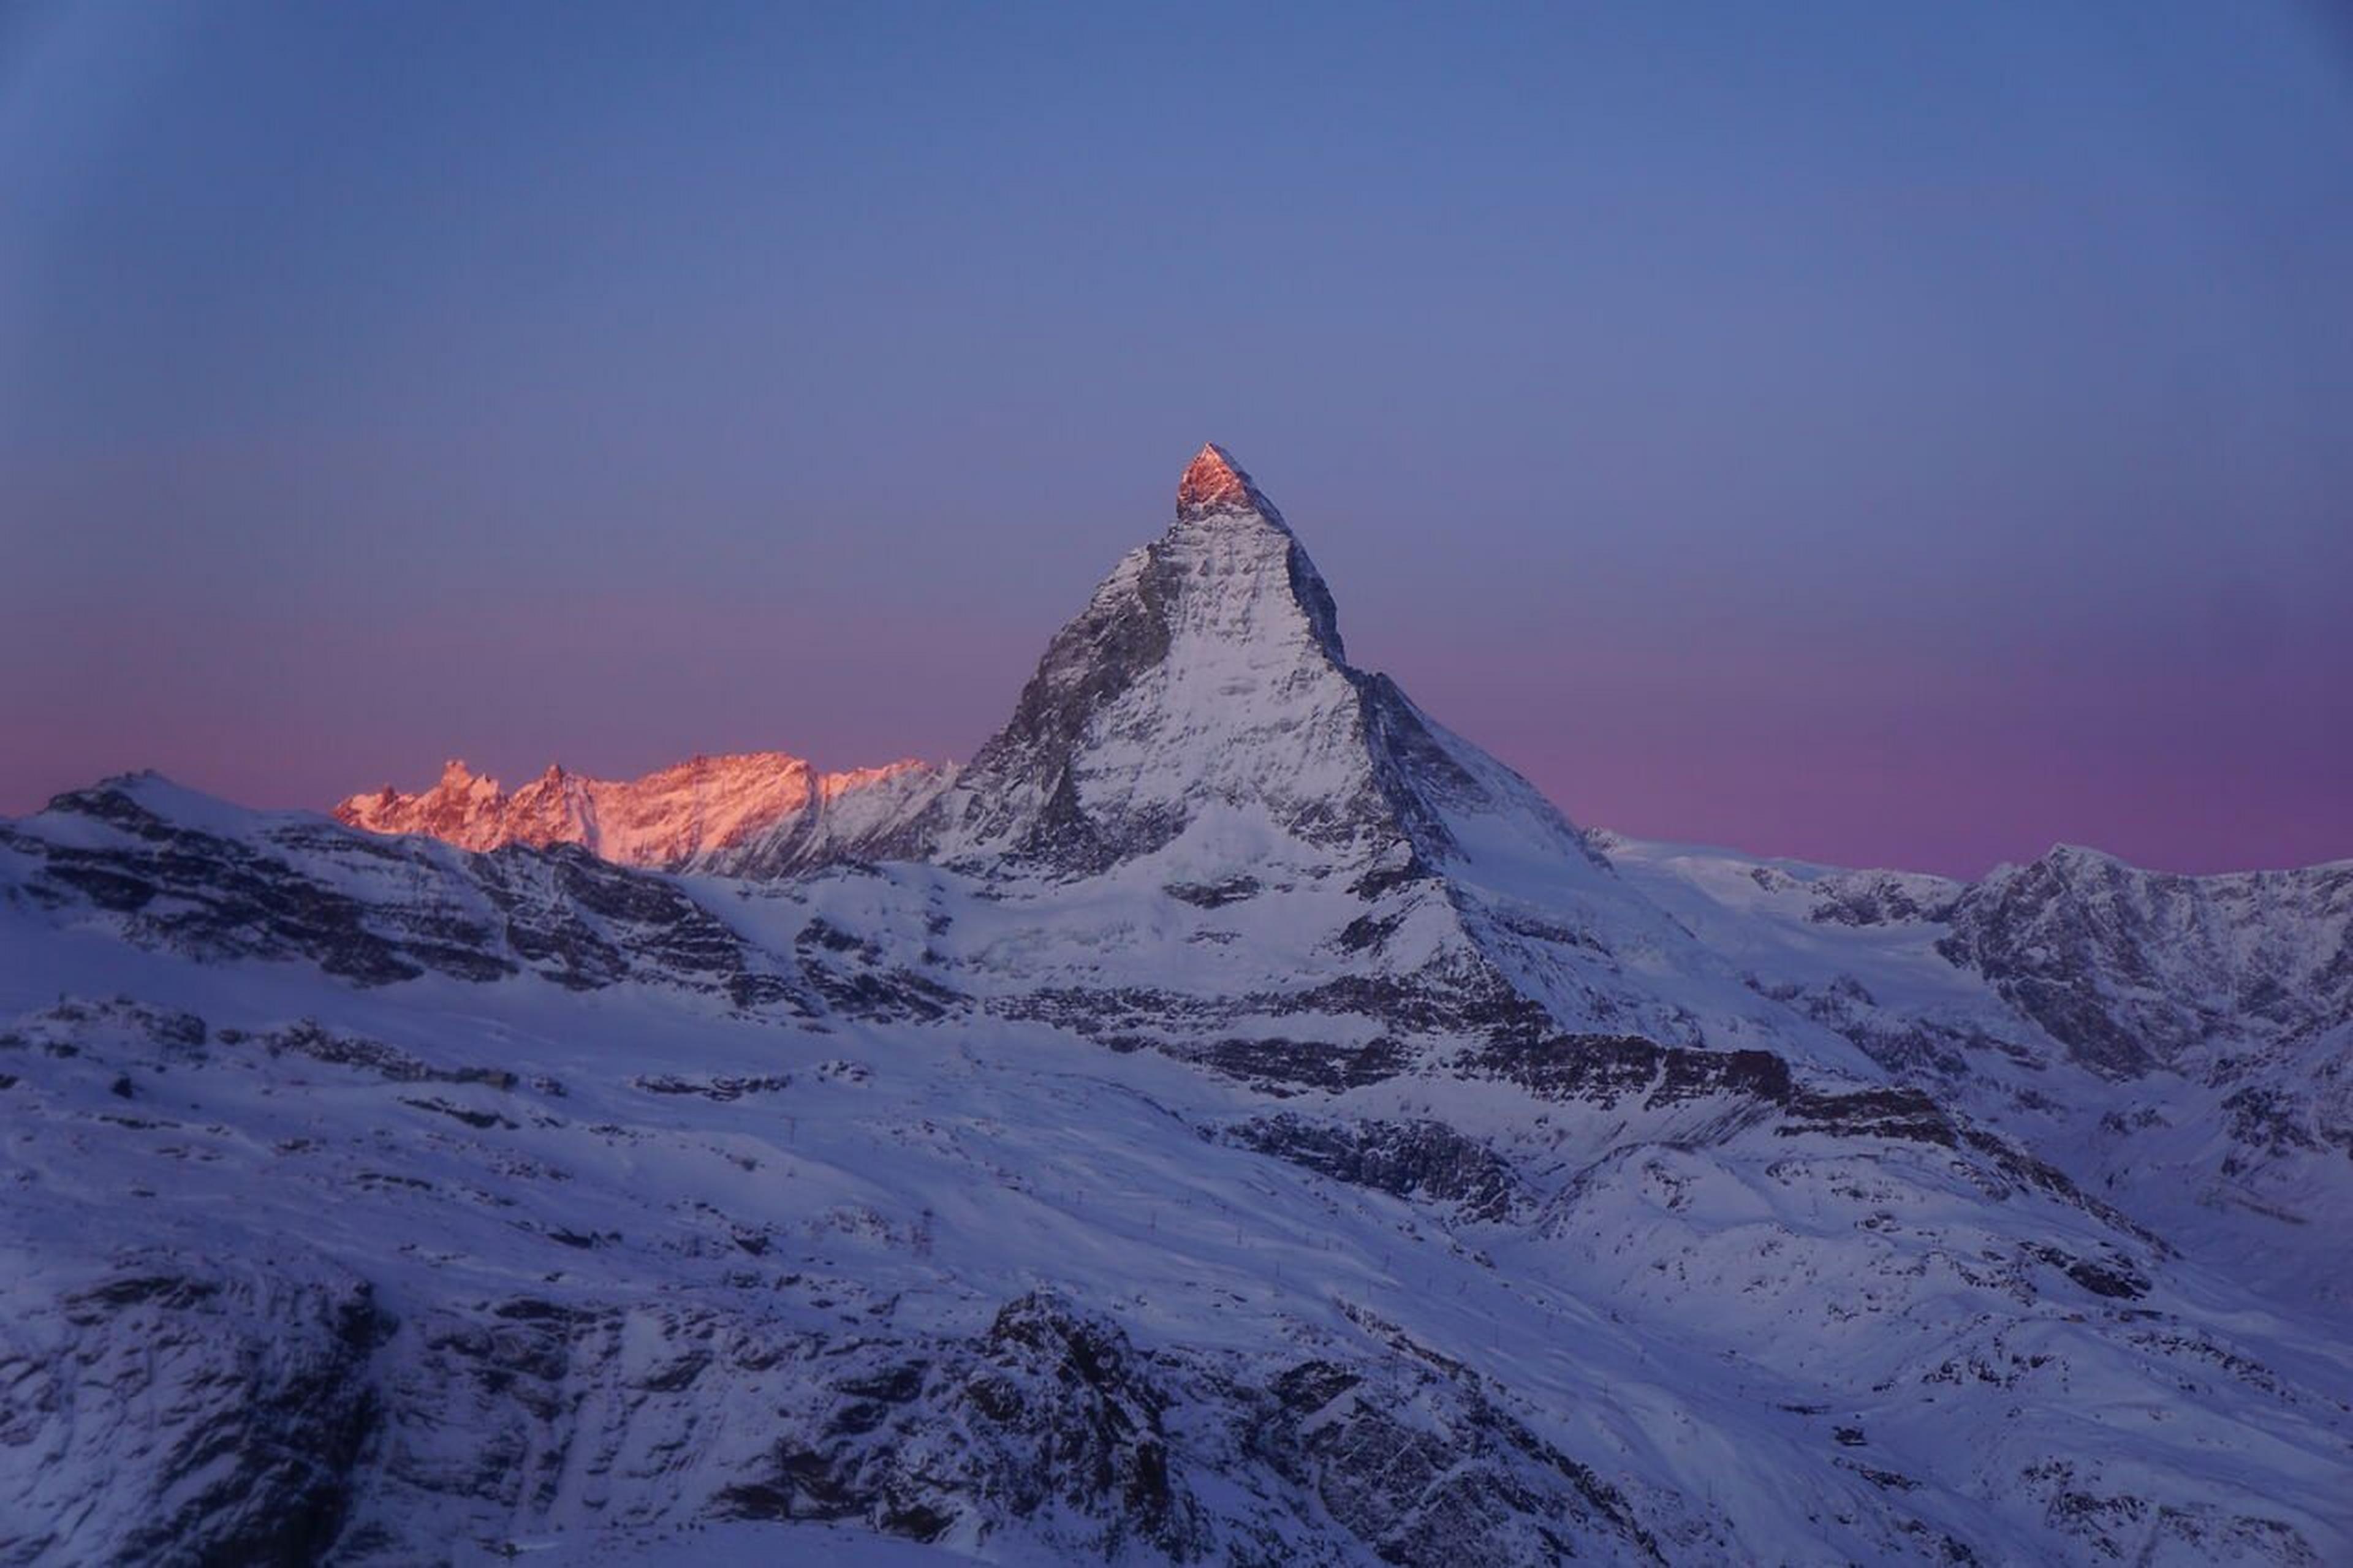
{"x": 1206, "y": 682}
{"x": 1214, "y": 482}
{"x": 1195, "y": 739}
{"x": 2079, "y": 858}
{"x": 1226, "y": 528}
{"x": 1205, "y": 673}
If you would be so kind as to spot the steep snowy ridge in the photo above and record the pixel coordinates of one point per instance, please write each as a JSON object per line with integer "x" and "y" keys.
{"x": 866, "y": 814}
{"x": 1232, "y": 1119}
{"x": 763, "y": 810}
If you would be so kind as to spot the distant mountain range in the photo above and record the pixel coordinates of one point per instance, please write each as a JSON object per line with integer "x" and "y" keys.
{"x": 693, "y": 814}
{"x": 1230, "y": 1119}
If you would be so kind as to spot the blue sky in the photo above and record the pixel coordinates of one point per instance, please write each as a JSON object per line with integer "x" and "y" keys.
{"x": 1887, "y": 433}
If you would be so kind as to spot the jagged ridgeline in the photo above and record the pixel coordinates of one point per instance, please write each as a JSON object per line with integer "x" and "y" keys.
{"x": 1230, "y": 1119}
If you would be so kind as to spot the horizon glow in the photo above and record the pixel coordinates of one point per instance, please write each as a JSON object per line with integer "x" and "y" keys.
{"x": 1868, "y": 437}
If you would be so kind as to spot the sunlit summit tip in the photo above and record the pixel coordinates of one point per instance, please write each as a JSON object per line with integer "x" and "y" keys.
{"x": 1214, "y": 482}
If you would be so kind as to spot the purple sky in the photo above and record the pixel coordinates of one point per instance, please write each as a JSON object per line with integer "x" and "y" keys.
{"x": 1884, "y": 435}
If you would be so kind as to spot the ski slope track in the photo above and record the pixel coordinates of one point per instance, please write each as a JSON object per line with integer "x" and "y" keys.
{"x": 1231, "y": 1118}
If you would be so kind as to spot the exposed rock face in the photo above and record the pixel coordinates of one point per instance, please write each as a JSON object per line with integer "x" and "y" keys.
{"x": 1457, "y": 1474}
{"x": 1051, "y": 1412}
{"x": 1426, "y": 1160}
{"x": 1214, "y": 482}
{"x": 764, "y": 811}
{"x": 229, "y": 1403}
{"x": 2136, "y": 970}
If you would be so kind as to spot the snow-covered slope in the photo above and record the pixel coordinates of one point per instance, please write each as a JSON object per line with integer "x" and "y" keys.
{"x": 1232, "y": 1119}
{"x": 866, "y": 814}
{"x": 439, "y": 1266}
{"x": 2181, "y": 1044}
{"x": 762, "y": 811}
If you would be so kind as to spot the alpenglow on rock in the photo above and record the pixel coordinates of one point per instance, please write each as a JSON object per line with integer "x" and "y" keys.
{"x": 765, "y": 810}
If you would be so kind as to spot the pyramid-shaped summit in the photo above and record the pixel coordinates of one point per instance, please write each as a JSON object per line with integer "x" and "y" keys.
{"x": 1214, "y": 482}
{"x": 1205, "y": 679}
{"x": 1205, "y": 690}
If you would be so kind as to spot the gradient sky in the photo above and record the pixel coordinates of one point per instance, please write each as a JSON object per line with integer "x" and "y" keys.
{"x": 1882, "y": 434}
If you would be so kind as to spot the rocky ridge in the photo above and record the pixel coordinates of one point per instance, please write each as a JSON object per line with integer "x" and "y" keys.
{"x": 764, "y": 812}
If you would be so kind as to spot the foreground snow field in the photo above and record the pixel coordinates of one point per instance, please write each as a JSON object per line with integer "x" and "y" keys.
{"x": 1240, "y": 1121}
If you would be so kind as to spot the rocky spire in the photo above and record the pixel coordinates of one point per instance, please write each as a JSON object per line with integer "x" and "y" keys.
{"x": 1213, "y": 483}
{"x": 1205, "y": 676}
